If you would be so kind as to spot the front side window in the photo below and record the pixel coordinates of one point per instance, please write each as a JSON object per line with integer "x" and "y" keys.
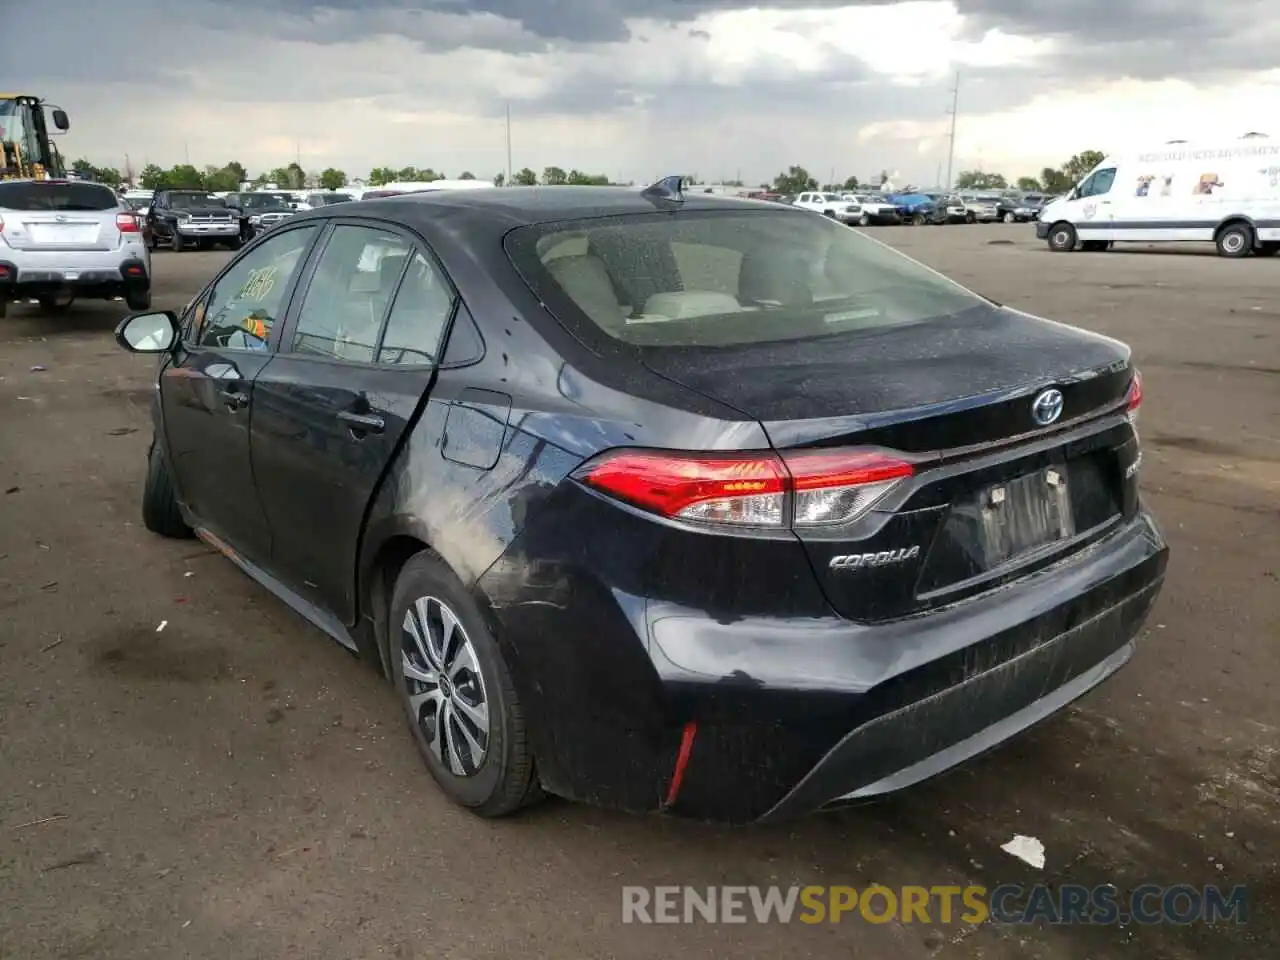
{"x": 1099, "y": 183}
{"x": 422, "y": 308}
{"x": 243, "y": 306}
{"x": 708, "y": 279}
{"x": 354, "y": 281}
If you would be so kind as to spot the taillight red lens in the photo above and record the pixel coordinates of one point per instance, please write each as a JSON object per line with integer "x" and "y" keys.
{"x": 747, "y": 490}
{"x": 762, "y": 490}
{"x": 127, "y": 222}
{"x": 1135, "y": 392}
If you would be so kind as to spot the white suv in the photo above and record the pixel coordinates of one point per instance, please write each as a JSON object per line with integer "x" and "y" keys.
{"x": 64, "y": 239}
{"x": 830, "y": 204}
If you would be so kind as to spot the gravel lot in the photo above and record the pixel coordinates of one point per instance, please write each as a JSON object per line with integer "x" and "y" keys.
{"x": 238, "y": 786}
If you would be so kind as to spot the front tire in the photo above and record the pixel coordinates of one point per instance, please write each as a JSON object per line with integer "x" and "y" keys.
{"x": 1235, "y": 241}
{"x": 864, "y": 221}
{"x": 457, "y": 693}
{"x": 160, "y": 513}
{"x": 1062, "y": 238}
{"x": 176, "y": 242}
{"x": 1009, "y": 218}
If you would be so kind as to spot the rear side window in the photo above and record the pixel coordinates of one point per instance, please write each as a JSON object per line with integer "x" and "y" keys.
{"x": 715, "y": 278}
{"x": 352, "y": 287}
{"x": 43, "y": 195}
{"x": 418, "y": 319}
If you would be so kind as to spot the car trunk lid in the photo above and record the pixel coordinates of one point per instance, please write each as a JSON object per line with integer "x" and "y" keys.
{"x": 64, "y": 231}
{"x": 955, "y": 399}
{"x": 54, "y": 215}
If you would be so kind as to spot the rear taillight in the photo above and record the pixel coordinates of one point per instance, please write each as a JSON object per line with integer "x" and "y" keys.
{"x": 756, "y": 490}
{"x": 127, "y": 222}
{"x": 1134, "y": 398}
{"x": 745, "y": 490}
{"x": 841, "y": 486}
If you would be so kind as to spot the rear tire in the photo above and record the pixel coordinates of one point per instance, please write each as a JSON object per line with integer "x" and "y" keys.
{"x": 1062, "y": 238}
{"x": 138, "y": 299}
{"x": 503, "y": 780}
{"x": 1235, "y": 241}
{"x": 160, "y": 513}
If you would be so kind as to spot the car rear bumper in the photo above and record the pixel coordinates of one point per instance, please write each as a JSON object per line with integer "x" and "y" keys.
{"x": 782, "y": 716}
{"x": 86, "y": 276}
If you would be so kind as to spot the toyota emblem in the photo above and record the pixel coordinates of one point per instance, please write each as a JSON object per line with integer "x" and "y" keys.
{"x": 1047, "y": 407}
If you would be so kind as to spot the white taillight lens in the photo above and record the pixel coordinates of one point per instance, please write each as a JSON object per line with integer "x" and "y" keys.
{"x": 818, "y": 508}
{"x": 840, "y": 486}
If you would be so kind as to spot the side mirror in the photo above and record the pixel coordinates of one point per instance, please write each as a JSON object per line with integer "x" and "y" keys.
{"x": 148, "y": 332}
{"x": 60, "y": 119}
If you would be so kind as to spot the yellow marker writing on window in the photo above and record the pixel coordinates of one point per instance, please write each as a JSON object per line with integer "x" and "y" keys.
{"x": 260, "y": 283}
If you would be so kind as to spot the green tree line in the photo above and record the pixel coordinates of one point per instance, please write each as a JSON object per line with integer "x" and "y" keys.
{"x": 230, "y": 176}
{"x": 1051, "y": 180}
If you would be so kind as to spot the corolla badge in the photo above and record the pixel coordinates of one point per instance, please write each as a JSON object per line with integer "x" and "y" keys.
{"x": 1046, "y": 407}
{"x": 855, "y": 561}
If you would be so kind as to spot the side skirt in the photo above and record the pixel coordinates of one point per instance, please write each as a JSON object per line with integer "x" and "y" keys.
{"x": 304, "y": 608}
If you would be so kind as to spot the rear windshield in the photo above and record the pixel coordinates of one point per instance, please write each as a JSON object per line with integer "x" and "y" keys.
{"x": 264, "y": 201}
{"x": 714, "y": 278}
{"x": 195, "y": 200}
{"x": 56, "y": 196}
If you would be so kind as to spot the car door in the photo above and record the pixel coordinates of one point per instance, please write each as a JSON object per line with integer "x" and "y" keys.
{"x": 356, "y": 361}
{"x": 207, "y": 389}
{"x": 1092, "y": 207}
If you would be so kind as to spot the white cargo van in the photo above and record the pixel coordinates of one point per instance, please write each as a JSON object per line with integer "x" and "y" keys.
{"x": 1227, "y": 192}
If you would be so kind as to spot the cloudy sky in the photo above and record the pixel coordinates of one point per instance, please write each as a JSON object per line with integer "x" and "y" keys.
{"x": 641, "y": 88}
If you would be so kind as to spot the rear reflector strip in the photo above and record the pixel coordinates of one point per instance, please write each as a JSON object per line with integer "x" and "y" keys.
{"x": 682, "y": 763}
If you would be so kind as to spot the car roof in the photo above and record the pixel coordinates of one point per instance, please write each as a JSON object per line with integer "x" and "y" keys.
{"x": 512, "y": 206}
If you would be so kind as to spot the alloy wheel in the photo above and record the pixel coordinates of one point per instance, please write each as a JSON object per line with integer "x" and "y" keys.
{"x": 445, "y": 690}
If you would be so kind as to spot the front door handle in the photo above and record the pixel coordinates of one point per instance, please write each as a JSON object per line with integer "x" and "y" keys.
{"x": 361, "y": 423}
{"x": 235, "y": 400}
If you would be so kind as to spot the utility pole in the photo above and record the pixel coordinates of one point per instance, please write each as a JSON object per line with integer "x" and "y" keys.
{"x": 507, "y": 182}
{"x": 951, "y": 147}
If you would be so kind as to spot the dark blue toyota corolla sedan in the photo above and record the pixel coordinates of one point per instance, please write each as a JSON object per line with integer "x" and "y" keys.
{"x": 667, "y": 502}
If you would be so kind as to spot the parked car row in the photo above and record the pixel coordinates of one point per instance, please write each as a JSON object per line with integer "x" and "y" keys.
{"x": 914, "y": 207}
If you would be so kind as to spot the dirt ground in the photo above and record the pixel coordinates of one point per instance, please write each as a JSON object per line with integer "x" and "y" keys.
{"x": 236, "y": 785}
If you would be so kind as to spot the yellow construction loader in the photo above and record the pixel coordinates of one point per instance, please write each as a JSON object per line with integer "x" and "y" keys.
{"x": 27, "y": 150}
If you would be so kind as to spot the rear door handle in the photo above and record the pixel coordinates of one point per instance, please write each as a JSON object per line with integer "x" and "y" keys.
{"x": 235, "y": 400}
{"x": 363, "y": 422}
